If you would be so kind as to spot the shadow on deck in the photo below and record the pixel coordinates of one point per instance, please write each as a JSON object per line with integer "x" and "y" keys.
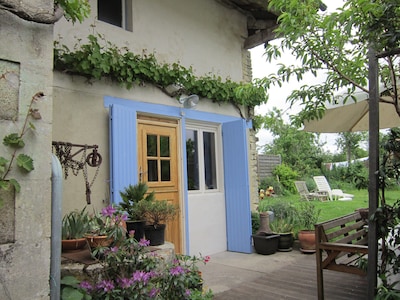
{"x": 283, "y": 275}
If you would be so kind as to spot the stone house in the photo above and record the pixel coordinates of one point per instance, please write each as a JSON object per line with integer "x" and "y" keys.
{"x": 208, "y": 165}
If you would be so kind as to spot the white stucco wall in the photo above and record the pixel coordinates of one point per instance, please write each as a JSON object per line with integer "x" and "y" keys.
{"x": 202, "y": 34}
{"x": 199, "y": 33}
{"x": 25, "y": 263}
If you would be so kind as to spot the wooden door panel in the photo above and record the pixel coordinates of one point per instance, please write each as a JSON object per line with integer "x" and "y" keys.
{"x": 158, "y": 167}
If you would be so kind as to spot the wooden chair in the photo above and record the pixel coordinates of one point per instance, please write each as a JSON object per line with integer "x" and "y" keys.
{"x": 305, "y": 194}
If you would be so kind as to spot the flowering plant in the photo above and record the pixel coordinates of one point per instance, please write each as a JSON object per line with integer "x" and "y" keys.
{"x": 109, "y": 222}
{"x": 132, "y": 272}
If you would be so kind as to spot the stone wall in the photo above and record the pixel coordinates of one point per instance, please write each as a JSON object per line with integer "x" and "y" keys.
{"x": 26, "y": 68}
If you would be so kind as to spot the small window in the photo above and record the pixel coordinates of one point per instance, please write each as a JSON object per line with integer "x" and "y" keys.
{"x": 201, "y": 155}
{"x": 116, "y": 12}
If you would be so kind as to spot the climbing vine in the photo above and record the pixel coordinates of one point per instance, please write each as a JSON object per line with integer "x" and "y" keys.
{"x": 99, "y": 58}
{"x": 15, "y": 142}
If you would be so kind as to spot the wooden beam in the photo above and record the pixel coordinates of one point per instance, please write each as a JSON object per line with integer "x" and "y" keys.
{"x": 259, "y": 38}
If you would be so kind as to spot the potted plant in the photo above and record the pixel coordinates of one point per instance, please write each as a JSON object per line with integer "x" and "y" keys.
{"x": 308, "y": 216}
{"x": 156, "y": 214}
{"x": 106, "y": 227}
{"x": 74, "y": 226}
{"x": 285, "y": 219}
{"x": 284, "y": 228}
{"x": 132, "y": 197}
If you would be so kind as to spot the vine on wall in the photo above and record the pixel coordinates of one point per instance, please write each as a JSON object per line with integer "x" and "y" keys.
{"x": 99, "y": 58}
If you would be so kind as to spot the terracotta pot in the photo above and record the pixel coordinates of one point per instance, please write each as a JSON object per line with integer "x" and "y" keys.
{"x": 73, "y": 245}
{"x": 98, "y": 241}
{"x": 307, "y": 241}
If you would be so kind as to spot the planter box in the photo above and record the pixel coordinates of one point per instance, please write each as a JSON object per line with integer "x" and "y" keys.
{"x": 265, "y": 243}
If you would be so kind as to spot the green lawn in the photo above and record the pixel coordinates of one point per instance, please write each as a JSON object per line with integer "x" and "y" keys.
{"x": 333, "y": 209}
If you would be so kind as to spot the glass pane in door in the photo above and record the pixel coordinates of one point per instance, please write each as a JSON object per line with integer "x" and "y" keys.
{"x": 165, "y": 170}
{"x": 164, "y": 146}
{"x": 151, "y": 145}
{"x": 152, "y": 170}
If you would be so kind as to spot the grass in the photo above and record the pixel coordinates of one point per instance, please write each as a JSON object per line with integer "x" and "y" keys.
{"x": 333, "y": 209}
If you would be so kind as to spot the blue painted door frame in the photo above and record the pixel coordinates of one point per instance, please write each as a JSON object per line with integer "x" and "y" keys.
{"x": 123, "y": 160}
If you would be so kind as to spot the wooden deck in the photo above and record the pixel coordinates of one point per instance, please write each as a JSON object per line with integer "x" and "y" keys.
{"x": 293, "y": 280}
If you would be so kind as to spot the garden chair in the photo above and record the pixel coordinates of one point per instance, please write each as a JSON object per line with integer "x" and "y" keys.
{"x": 334, "y": 194}
{"x": 306, "y": 195}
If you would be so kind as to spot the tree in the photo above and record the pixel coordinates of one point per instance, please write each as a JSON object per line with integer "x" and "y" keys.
{"x": 335, "y": 44}
{"x": 299, "y": 149}
{"x": 349, "y": 143}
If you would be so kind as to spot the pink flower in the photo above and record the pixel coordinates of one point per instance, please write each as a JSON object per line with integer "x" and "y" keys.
{"x": 108, "y": 211}
{"x": 143, "y": 242}
{"x": 85, "y": 285}
{"x": 106, "y": 285}
{"x": 207, "y": 259}
{"x": 176, "y": 271}
{"x": 125, "y": 282}
{"x": 154, "y": 292}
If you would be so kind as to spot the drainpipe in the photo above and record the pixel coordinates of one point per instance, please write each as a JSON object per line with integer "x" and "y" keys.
{"x": 56, "y": 206}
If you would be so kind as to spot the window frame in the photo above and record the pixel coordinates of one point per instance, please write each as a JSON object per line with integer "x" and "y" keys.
{"x": 127, "y": 15}
{"x": 216, "y": 129}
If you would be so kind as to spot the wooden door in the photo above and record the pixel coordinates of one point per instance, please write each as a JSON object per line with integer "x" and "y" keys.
{"x": 158, "y": 167}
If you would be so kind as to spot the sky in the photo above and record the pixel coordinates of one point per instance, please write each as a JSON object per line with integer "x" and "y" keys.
{"x": 278, "y": 95}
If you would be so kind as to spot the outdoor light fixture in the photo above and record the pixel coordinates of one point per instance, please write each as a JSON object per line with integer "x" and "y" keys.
{"x": 189, "y": 101}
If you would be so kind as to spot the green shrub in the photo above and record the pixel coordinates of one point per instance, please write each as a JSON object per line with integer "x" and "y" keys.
{"x": 286, "y": 177}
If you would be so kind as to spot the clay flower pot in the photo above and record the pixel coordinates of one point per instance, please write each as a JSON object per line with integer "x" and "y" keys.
{"x": 73, "y": 245}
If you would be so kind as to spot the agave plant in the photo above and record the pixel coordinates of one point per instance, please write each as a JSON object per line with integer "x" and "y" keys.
{"x": 75, "y": 224}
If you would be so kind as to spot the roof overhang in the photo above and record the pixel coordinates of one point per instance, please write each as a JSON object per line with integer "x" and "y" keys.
{"x": 260, "y": 22}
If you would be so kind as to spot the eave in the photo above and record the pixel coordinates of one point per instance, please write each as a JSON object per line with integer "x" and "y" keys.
{"x": 260, "y": 22}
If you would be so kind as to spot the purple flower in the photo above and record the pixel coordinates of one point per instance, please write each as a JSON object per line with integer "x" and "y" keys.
{"x": 108, "y": 211}
{"x": 176, "y": 271}
{"x": 143, "y": 242}
{"x": 85, "y": 285}
{"x": 131, "y": 233}
{"x": 106, "y": 285}
{"x": 188, "y": 292}
{"x": 153, "y": 293}
{"x": 125, "y": 282}
{"x": 141, "y": 276}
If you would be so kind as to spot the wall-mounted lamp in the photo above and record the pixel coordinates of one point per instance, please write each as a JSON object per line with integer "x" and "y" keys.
{"x": 189, "y": 101}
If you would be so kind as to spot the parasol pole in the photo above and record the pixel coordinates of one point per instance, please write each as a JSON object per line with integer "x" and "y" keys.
{"x": 373, "y": 189}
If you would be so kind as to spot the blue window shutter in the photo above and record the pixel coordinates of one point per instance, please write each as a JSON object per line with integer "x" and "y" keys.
{"x": 237, "y": 201}
{"x": 123, "y": 150}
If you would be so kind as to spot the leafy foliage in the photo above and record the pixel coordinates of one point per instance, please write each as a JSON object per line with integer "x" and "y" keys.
{"x": 129, "y": 271}
{"x": 16, "y": 142}
{"x": 286, "y": 176}
{"x": 100, "y": 58}
{"x": 75, "y": 224}
{"x": 299, "y": 149}
{"x": 74, "y": 10}
{"x": 132, "y": 196}
{"x": 336, "y": 45}
{"x": 308, "y": 215}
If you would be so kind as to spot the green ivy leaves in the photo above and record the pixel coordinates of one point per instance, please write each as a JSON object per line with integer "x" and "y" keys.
{"x": 16, "y": 142}
{"x": 99, "y": 58}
